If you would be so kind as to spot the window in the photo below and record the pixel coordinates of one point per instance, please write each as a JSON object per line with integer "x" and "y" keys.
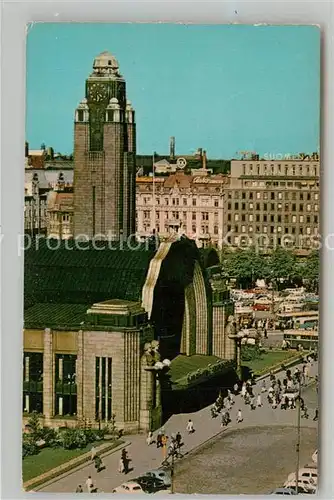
{"x": 103, "y": 389}
{"x": 279, "y": 218}
{"x": 243, "y": 217}
{"x": 301, "y": 218}
{"x": 175, "y": 215}
{"x": 308, "y": 219}
{"x": 286, "y": 218}
{"x": 257, "y": 218}
{"x": 301, "y": 196}
{"x": 205, "y": 216}
{"x": 228, "y": 228}
{"x": 308, "y": 230}
{"x": 193, "y": 216}
{"x": 316, "y": 219}
{"x": 193, "y": 228}
{"x": 166, "y": 201}
{"x": 33, "y": 382}
{"x": 258, "y": 206}
{"x": 308, "y": 207}
{"x": 286, "y": 230}
{"x": 216, "y": 203}
{"x": 228, "y": 216}
{"x": 301, "y": 230}
{"x": 258, "y": 196}
{"x": 166, "y": 215}
{"x": 146, "y": 214}
{"x": 236, "y": 205}
{"x": 185, "y": 216}
{"x": 157, "y": 214}
{"x": 250, "y": 229}
{"x": 272, "y": 206}
{"x": 194, "y": 202}
{"x": 236, "y": 217}
{"x": 279, "y": 229}
{"x": 316, "y": 196}
{"x": 251, "y": 206}
{"x": 272, "y": 229}
{"x": 184, "y": 201}
{"x": 265, "y": 206}
{"x": 301, "y": 207}
{"x": 294, "y": 196}
{"x": 236, "y": 229}
{"x": 243, "y": 196}
{"x": 272, "y": 196}
{"x": 250, "y": 196}
{"x": 265, "y": 196}
{"x": 294, "y": 218}
{"x": 264, "y": 218}
{"x": 243, "y": 206}
{"x": 280, "y": 196}
{"x": 215, "y": 230}
{"x": 316, "y": 208}
{"x": 272, "y": 218}
{"x": 236, "y": 195}
{"x": 308, "y": 196}
{"x": 293, "y": 208}
{"x": 229, "y": 195}
{"x": 250, "y": 217}
{"x": 65, "y": 384}
{"x": 293, "y": 230}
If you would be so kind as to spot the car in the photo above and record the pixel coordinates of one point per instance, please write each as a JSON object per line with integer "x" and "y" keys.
{"x": 130, "y": 487}
{"x": 284, "y": 491}
{"x": 305, "y": 484}
{"x": 315, "y": 457}
{"x": 305, "y": 473}
{"x": 162, "y": 474}
{"x": 150, "y": 484}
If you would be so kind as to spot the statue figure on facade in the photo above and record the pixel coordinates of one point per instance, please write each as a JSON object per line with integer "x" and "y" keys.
{"x": 231, "y": 327}
{"x": 151, "y": 352}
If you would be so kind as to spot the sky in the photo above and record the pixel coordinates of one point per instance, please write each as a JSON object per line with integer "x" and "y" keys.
{"x": 224, "y": 88}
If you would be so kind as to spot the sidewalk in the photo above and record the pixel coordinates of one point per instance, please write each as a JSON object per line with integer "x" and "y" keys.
{"x": 145, "y": 457}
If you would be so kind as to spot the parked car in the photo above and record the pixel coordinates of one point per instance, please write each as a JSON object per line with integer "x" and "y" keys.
{"x": 315, "y": 457}
{"x": 284, "y": 491}
{"x": 305, "y": 473}
{"x": 162, "y": 474}
{"x": 150, "y": 484}
{"x": 130, "y": 487}
{"x": 306, "y": 485}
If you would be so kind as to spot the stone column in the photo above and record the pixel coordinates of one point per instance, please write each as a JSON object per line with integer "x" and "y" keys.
{"x": 106, "y": 391}
{"x": 79, "y": 374}
{"x": 48, "y": 375}
{"x": 145, "y": 396}
{"x": 26, "y": 368}
{"x": 100, "y": 388}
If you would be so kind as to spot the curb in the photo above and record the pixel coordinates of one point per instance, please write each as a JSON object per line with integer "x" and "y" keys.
{"x": 69, "y": 467}
{"x": 293, "y": 361}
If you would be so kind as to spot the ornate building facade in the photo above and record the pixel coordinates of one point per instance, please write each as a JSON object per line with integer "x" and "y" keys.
{"x": 104, "y": 156}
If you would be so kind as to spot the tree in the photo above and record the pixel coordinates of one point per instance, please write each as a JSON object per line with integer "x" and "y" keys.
{"x": 245, "y": 265}
{"x": 281, "y": 266}
{"x": 311, "y": 270}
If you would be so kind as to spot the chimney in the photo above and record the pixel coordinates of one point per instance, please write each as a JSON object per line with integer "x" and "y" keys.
{"x": 204, "y": 160}
{"x": 172, "y": 148}
{"x": 26, "y": 149}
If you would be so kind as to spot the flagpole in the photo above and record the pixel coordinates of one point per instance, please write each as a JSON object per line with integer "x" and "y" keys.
{"x": 153, "y": 170}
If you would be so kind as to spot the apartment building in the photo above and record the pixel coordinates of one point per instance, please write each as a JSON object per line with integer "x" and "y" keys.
{"x": 272, "y": 203}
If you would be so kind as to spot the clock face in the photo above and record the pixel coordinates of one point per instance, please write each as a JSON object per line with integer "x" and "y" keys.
{"x": 97, "y": 92}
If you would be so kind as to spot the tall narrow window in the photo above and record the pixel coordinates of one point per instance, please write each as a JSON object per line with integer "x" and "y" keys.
{"x": 103, "y": 388}
{"x": 66, "y": 387}
{"x": 33, "y": 382}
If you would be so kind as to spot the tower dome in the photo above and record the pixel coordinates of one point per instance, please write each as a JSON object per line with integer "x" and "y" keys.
{"x": 105, "y": 63}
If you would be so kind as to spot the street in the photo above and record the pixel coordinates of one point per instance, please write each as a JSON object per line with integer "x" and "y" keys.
{"x": 145, "y": 457}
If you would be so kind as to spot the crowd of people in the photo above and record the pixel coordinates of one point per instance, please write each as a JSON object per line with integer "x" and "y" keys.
{"x": 282, "y": 393}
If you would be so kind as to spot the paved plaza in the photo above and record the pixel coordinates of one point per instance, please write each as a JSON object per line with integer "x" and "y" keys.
{"x": 260, "y": 433}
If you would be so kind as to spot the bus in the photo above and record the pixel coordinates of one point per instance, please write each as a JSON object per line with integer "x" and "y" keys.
{"x": 307, "y": 339}
{"x": 306, "y": 320}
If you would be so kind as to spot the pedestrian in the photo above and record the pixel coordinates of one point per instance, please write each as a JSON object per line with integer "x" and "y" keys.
{"x": 259, "y": 401}
{"x": 149, "y": 439}
{"x": 252, "y": 403}
{"x": 79, "y": 489}
{"x": 93, "y": 453}
{"x": 190, "y": 427}
{"x": 239, "y": 417}
{"x": 98, "y": 463}
{"x": 236, "y": 388}
{"x": 227, "y": 404}
{"x": 243, "y": 390}
{"x": 263, "y": 388}
{"x": 159, "y": 439}
{"x": 316, "y": 414}
{"x": 178, "y": 439}
{"x": 89, "y": 484}
{"x": 121, "y": 465}
{"x": 164, "y": 441}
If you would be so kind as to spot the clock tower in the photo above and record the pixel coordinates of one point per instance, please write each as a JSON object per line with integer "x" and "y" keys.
{"x": 104, "y": 156}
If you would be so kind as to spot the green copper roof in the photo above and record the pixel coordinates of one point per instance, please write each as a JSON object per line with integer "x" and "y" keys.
{"x": 55, "y": 316}
{"x": 84, "y": 276}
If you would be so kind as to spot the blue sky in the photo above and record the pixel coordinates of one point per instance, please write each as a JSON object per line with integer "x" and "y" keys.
{"x": 222, "y": 88}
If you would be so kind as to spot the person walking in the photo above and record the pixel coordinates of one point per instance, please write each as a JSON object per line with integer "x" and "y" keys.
{"x": 252, "y": 403}
{"x": 159, "y": 439}
{"x": 259, "y": 401}
{"x": 243, "y": 390}
{"x": 190, "y": 427}
{"x": 236, "y": 388}
{"x": 149, "y": 439}
{"x": 89, "y": 484}
{"x": 316, "y": 414}
{"x": 263, "y": 387}
{"x": 98, "y": 463}
{"x": 178, "y": 439}
{"x": 230, "y": 396}
{"x": 93, "y": 453}
{"x": 79, "y": 489}
{"x": 164, "y": 441}
{"x": 239, "y": 417}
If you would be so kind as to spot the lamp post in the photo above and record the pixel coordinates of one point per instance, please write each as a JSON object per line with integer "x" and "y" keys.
{"x": 298, "y": 434}
{"x": 237, "y": 337}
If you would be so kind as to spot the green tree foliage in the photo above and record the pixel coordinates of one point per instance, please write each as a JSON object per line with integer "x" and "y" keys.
{"x": 246, "y": 266}
{"x": 281, "y": 265}
{"x": 310, "y": 271}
